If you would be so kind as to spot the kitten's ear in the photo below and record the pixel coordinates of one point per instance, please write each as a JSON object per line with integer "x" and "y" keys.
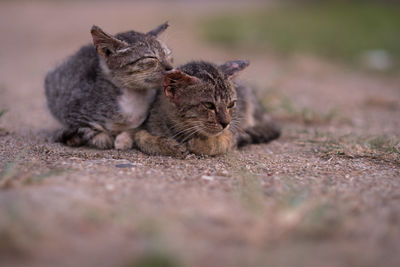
{"x": 231, "y": 68}
{"x": 174, "y": 81}
{"x": 158, "y": 30}
{"x": 105, "y": 44}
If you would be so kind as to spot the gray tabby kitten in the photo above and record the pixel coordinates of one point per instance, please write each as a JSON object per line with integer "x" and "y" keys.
{"x": 105, "y": 90}
{"x": 204, "y": 112}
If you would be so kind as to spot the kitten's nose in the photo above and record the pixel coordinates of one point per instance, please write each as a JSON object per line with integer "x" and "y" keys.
{"x": 168, "y": 66}
{"x": 224, "y": 124}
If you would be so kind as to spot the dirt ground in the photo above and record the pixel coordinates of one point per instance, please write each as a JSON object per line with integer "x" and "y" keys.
{"x": 327, "y": 193}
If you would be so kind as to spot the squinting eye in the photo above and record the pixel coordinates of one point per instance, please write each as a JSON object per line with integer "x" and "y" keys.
{"x": 148, "y": 63}
{"x": 232, "y": 104}
{"x": 209, "y": 105}
{"x": 144, "y": 63}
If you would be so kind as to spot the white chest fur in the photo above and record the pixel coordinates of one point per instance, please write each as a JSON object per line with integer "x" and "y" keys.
{"x": 134, "y": 107}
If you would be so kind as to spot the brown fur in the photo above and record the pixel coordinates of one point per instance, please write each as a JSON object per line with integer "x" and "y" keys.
{"x": 213, "y": 145}
{"x": 159, "y": 145}
{"x": 198, "y": 113}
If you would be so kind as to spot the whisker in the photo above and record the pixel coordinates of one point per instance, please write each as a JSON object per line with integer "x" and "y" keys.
{"x": 183, "y": 132}
{"x": 190, "y": 135}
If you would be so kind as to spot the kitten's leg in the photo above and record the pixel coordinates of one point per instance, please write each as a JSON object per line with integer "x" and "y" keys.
{"x": 158, "y": 145}
{"x": 212, "y": 146}
{"x": 83, "y": 136}
{"x": 123, "y": 141}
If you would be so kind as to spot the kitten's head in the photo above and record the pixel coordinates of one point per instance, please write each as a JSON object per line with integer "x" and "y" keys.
{"x": 203, "y": 95}
{"x": 132, "y": 59}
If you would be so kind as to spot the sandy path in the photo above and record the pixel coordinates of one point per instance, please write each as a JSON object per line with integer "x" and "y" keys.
{"x": 319, "y": 194}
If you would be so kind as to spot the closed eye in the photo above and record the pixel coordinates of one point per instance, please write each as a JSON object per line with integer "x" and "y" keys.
{"x": 143, "y": 59}
{"x": 142, "y": 64}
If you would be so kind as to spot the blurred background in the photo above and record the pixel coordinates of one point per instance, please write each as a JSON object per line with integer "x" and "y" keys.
{"x": 280, "y": 38}
{"x": 362, "y": 34}
{"x": 325, "y": 194}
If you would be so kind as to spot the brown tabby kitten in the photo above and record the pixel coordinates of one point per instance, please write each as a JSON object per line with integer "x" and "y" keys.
{"x": 203, "y": 112}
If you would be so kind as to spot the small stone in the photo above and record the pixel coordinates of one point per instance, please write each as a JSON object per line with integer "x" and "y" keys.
{"x": 110, "y": 187}
{"x": 207, "y": 177}
{"x": 223, "y": 173}
{"x": 125, "y": 165}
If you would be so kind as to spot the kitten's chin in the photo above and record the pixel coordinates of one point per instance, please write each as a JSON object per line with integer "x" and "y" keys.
{"x": 214, "y": 132}
{"x": 138, "y": 82}
{"x": 144, "y": 86}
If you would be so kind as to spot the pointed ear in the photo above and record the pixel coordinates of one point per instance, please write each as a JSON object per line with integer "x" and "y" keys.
{"x": 174, "y": 82}
{"x": 158, "y": 30}
{"x": 231, "y": 68}
{"x": 105, "y": 44}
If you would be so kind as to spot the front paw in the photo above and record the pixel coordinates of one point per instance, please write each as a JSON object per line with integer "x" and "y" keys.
{"x": 199, "y": 146}
{"x": 174, "y": 149}
{"x": 123, "y": 141}
{"x": 212, "y": 146}
{"x": 102, "y": 141}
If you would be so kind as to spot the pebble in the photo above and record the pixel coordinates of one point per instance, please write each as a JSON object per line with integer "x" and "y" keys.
{"x": 207, "y": 177}
{"x": 224, "y": 173}
{"x": 125, "y": 165}
{"x": 110, "y": 187}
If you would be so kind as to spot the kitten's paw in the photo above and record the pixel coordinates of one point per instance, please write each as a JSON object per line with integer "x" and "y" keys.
{"x": 196, "y": 146}
{"x": 212, "y": 146}
{"x": 102, "y": 141}
{"x": 174, "y": 149}
{"x": 74, "y": 141}
{"x": 123, "y": 141}
{"x": 200, "y": 146}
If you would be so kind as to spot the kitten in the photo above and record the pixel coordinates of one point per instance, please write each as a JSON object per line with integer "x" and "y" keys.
{"x": 104, "y": 90}
{"x": 203, "y": 111}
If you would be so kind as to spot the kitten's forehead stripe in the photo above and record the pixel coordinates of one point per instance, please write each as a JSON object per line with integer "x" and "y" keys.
{"x": 218, "y": 86}
{"x": 140, "y": 45}
{"x": 140, "y": 41}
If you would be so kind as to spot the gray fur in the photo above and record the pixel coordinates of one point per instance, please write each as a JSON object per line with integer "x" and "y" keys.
{"x": 195, "y": 113}
{"x": 85, "y": 92}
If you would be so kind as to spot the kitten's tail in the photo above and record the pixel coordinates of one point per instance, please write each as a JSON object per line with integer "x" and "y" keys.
{"x": 70, "y": 137}
{"x": 261, "y": 133}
